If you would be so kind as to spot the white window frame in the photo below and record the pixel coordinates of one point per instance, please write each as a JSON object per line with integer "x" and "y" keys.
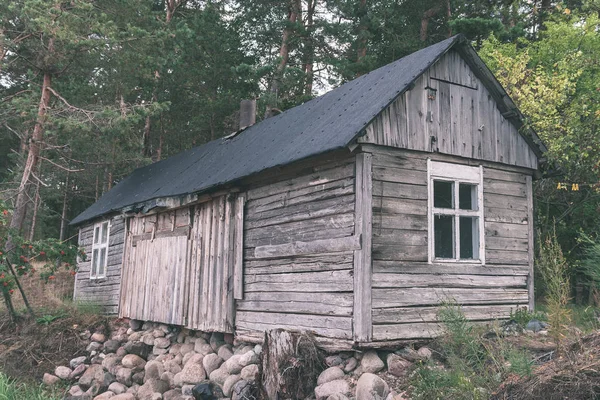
{"x": 97, "y": 245}
{"x": 456, "y": 173}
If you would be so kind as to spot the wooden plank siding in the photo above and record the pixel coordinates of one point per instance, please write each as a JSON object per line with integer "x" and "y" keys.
{"x": 102, "y": 292}
{"x": 299, "y": 243}
{"x": 450, "y": 111}
{"x": 406, "y": 289}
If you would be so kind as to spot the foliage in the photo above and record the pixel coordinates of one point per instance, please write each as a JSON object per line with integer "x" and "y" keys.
{"x": 12, "y": 390}
{"x": 522, "y": 315}
{"x": 555, "y": 272}
{"x": 473, "y": 366}
{"x": 48, "y": 319}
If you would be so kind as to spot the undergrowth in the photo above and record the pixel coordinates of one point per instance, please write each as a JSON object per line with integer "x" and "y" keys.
{"x": 13, "y": 390}
{"x": 472, "y": 367}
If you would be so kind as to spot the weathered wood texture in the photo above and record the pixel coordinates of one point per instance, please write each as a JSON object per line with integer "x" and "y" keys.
{"x": 102, "y": 292}
{"x": 179, "y": 268}
{"x": 450, "y": 111}
{"x": 406, "y": 289}
{"x": 299, "y": 243}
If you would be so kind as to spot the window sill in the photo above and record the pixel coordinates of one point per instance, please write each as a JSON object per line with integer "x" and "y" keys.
{"x": 100, "y": 279}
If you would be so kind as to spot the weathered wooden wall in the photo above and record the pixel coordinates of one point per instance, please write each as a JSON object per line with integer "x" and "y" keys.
{"x": 299, "y": 240}
{"x": 406, "y": 289}
{"x": 459, "y": 117}
{"x": 102, "y": 292}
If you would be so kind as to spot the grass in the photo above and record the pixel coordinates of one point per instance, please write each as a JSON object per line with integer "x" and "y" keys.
{"x": 13, "y": 390}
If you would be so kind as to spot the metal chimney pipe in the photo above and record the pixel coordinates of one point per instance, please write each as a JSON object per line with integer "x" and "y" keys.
{"x": 247, "y": 113}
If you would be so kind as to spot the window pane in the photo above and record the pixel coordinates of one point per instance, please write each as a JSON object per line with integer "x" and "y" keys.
{"x": 94, "y": 262}
{"x": 467, "y": 196}
{"x": 96, "y": 234}
{"x": 443, "y": 194}
{"x": 443, "y": 226}
{"x": 104, "y": 232}
{"x": 469, "y": 238}
{"x": 102, "y": 262}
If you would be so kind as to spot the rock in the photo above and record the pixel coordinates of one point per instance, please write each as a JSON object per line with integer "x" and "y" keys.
{"x": 216, "y": 340}
{"x": 535, "y": 325}
{"x": 124, "y": 396}
{"x": 168, "y": 377}
{"x": 148, "y": 339}
{"x": 121, "y": 352}
{"x": 186, "y": 390}
{"x": 50, "y": 380}
{"x": 192, "y": 373}
{"x": 211, "y": 362}
{"x": 80, "y": 369}
{"x": 203, "y": 348}
{"x": 249, "y": 358}
{"x": 138, "y": 348}
{"x": 219, "y": 376}
{"x": 173, "y": 394}
{"x": 162, "y": 343}
{"x": 330, "y": 374}
{"x": 186, "y": 348}
{"x": 175, "y": 348}
{"x": 133, "y": 361}
{"x": 228, "y": 384}
{"x": 85, "y": 335}
{"x": 334, "y": 360}
{"x": 195, "y": 359}
{"x": 94, "y": 373}
{"x": 371, "y": 362}
{"x": 205, "y": 390}
{"x": 339, "y": 386}
{"x": 152, "y": 386}
{"x": 153, "y": 370}
{"x": 358, "y": 371}
{"x": 425, "y": 353}
{"x": 250, "y": 372}
{"x": 158, "y": 333}
{"x": 371, "y": 387}
{"x": 351, "y": 363}
{"x": 138, "y": 377}
{"x": 124, "y": 375}
{"x": 408, "y": 353}
{"x": 117, "y": 388}
{"x": 105, "y": 396}
{"x": 172, "y": 366}
{"x": 244, "y": 390}
{"x": 98, "y": 337}
{"x": 397, "y": 365}
{"x": 63, "y": 372}
{"x": 225, "y": 352}
{"x": 111, "y": 346}
{"x": 243, "y": 350}
{"x": 110, "y": 363}
{"x": 75, "y": 391}
{"x": 74, "y": 363}
{"x": 135, "y": 324}
{"x": 258, "y": 349}
{"x": 158, "y": 351}
{"x": 338, "y": 396}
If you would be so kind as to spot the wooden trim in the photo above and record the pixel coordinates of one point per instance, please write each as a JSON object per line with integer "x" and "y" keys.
{"x": 238, "y": 263}
{"x": 180, "y": 231}
{"x": 313, "y": 247}
{"x": 530, "y": 242}
{"x": 363, "y": 226}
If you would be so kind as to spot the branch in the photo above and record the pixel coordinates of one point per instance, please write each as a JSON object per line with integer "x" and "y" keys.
{"x": 60, "y": 166}
{"x": 87, "y": 113}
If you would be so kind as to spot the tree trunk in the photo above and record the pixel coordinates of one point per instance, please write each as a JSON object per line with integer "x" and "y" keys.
{"x": 9, "y": 305}
{"x": 36, "y": 206}
{"x": 63, "y": 216}
{"x": 449, "y": 15}
{"x": 545, "y": 7}
{"x": 361, "y": 48}
{"x": 309, "y": 48}
{"x": 284, "y": 53}
{"x": 32, "y": 158}
{"x": 25, "y": 300}
{"x": 427, "y": 15}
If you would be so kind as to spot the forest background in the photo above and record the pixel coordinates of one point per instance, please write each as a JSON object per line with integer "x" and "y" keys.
{"x": 90, "y": 90}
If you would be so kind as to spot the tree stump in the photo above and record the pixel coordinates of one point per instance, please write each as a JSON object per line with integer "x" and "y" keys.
{"x": 291, "y": 365}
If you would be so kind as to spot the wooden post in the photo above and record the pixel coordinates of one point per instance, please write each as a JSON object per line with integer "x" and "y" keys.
{"x": 530, "y": 241}
{"x": 363, "y": 327}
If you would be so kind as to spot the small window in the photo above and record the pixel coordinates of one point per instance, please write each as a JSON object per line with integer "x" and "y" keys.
{"x": 455, "y": 213}
{"x": 99, "y": 250}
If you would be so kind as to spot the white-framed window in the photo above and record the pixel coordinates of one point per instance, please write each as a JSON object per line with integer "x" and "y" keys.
{"x": 455, "y": 213}
{"x": 100, "y": 250}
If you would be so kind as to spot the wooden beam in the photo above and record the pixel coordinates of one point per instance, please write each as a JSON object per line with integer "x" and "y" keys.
{"x": 238, "y": 262}
{"x": 363, "y": 226}
{"x": 312, "y": 247}
{"x": 531, "y": 247}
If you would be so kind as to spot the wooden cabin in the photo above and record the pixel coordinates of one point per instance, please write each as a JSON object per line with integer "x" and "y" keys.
{"x": 354, "y": 215}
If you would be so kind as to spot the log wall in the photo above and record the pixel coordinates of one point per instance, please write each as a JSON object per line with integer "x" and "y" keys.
{"x": 406, "y": 289}
{"x": 450, "y": 111}
{"x": 299, "y": 243}
{"x": 102, "y": 292}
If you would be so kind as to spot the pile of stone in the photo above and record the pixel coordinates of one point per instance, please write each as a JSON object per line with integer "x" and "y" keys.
{"x": 153, "y": 361}
{"x": 356, "y": 375}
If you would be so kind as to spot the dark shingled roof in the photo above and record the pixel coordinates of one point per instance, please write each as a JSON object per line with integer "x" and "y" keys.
{"x": 326, "y": 123}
